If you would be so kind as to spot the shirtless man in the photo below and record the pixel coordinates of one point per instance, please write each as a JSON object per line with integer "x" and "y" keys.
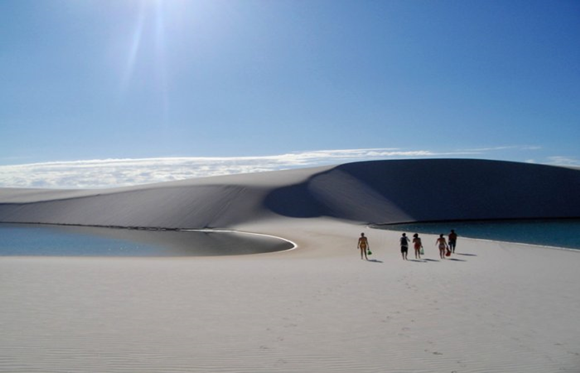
{"x": 363, "y": 245}
{"x": 452, "y": 240}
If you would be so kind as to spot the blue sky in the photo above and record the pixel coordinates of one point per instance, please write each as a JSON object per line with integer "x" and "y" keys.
{"x": 86, "y": 80}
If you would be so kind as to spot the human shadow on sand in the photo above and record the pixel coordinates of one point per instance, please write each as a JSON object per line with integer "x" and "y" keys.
{"x": 374, "y": 261}
{"x": 417, "y": 261}
{"x": 457, "y": 260}
{"x": 431, "y": 260}
{"x": 464, "y": 254}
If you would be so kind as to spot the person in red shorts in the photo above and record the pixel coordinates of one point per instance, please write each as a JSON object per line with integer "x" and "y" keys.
{"x": 417, "y": 245}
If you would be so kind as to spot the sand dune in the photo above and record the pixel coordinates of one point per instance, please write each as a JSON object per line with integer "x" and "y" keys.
{"x": 431, "y": 190}
{"x": 493, "y": 308}
{"x": 367, "y": 192}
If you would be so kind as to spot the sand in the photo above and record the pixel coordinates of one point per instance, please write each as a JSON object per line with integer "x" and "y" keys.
{"x": 492, "y": 307}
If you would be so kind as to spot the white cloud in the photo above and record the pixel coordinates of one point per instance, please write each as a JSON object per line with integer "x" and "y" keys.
{"x": 505, "y": 147}
{"x": 564, "y": 161}
{"x": 106, "y": 173}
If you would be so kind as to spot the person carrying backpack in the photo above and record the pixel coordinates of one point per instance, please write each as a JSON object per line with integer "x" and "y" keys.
{"x": 404, "y": 246}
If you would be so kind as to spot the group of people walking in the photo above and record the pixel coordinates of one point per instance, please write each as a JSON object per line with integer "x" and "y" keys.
{"x": 446, "y": 247}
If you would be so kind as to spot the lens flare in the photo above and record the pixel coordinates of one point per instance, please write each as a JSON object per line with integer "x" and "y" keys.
{"x": 150, "y": 21}
{"x": 133, "y": 49}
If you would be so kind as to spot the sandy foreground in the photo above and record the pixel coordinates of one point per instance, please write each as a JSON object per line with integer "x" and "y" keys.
{"x": 494, "y": 307}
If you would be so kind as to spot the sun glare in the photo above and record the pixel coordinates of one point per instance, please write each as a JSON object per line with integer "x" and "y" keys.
{"x": 149, "y": 31}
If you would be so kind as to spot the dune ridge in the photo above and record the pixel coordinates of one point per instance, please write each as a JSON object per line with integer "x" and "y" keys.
{"x": 379, "y": 192}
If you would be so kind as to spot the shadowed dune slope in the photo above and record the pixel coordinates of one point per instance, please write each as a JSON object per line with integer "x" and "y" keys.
{"x": 432, "y": 190}
{"x": 369, "y": 192}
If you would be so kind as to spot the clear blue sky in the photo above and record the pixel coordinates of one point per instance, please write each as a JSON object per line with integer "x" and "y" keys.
{"x": 82, "y": 79}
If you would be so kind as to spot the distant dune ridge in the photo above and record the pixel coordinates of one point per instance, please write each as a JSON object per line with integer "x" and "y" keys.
{"x": 379, "y": 192}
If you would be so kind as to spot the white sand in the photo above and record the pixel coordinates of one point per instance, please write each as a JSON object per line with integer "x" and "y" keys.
{"x": 496, "y": 307}
{"x": 501, "y": 308}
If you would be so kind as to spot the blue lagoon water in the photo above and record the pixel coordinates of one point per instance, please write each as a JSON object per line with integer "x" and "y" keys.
{"x": 555, "y": 233}
{"x": 52, "y": 240}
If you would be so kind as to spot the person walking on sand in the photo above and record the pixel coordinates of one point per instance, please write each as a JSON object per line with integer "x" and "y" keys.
{"x": 363, "y": 245}
{"x": 452, "y": 241}
{"x": 417, "y": 245}
{"x": 442, "y": 244}
{"x": 404, "y": 246}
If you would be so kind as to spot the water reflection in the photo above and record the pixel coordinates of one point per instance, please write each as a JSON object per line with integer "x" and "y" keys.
{"x": 48, "y": 240}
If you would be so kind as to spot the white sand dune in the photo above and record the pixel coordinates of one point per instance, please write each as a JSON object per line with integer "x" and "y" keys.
{"x": 495, "y": 307}
{"x": 370, "y": 192}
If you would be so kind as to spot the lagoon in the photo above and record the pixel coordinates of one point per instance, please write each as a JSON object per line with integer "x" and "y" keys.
{"x": 54, "y": 240}
{"x": 563, "y": 233}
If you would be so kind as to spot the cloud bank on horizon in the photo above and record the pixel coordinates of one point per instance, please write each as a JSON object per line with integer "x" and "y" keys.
{"x": 108, "y": 173}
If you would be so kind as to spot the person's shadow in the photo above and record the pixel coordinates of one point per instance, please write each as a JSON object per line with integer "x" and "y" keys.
{"x": 374, "y": 261}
